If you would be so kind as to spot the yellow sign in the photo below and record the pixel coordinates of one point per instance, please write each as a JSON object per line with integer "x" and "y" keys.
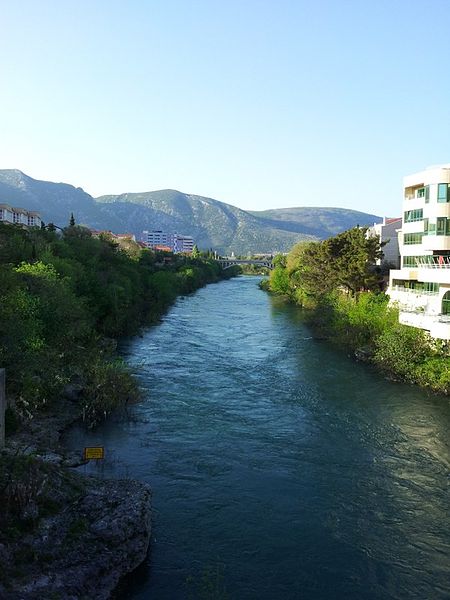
{"x": 96, "y": 453}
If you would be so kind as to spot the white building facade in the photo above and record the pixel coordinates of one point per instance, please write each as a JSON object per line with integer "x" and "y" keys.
{"x": 421, "y": 287}
{"x": 176, "y": 242}
{"x": 183, "y": 243}
{"x": 387, "y": 232}
{"x": 19, "y": 216}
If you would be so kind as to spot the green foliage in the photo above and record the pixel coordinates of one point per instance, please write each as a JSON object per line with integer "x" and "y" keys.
{"x": 23, "y": 482}
{"x": 62, "y": 294}
{"x": 338, "y": 282}
{"x": 12, "y": 423}
{"x": 279, "y": 280}
{"x": 314, "y": 270}
{"x": 360, "y": 320}
{"x": 109, "y": 384}
{"x": 402, "y": 350}
{"x": 353, "y": 256}
{"x": 367, "y": 322}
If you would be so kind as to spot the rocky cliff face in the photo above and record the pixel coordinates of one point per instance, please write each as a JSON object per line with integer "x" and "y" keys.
{"x": 83, "y": 551}
{"x": 64, "y": 535}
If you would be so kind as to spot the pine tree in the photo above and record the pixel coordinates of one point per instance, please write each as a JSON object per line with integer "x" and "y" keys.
{"x": 72, "y": 220}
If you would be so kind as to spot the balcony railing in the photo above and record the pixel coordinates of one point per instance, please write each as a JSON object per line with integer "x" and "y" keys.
{"x": 414, "y": 197}
{"x": 439, "y": 318}
{"x": 418, "y": 292}
{"x": 434, "y": 262}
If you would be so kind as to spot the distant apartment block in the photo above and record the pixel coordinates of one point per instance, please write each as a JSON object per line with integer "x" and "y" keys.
{"x": 173, "y": 241}
{"x": 388, "y": 232}
{"x": 157, "y": 238}
{"x": 421, "y": 286}
{"x": 19, "y": 216}
{"x": 183, "y": 243}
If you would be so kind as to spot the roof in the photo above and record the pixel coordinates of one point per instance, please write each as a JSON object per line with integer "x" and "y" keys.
{"x": 22, "y": 211}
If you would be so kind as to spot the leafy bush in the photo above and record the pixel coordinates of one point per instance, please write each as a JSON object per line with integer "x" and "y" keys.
{"x": 62, "y": 295}
{"x": 401, "y": 349}
{"x": 109, "y": 386}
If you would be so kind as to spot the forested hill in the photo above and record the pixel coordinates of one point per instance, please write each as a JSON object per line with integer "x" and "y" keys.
{"x": 212, "y": 223}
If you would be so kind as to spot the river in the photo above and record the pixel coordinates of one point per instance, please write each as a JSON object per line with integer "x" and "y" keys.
{"x": 280, "y": 467}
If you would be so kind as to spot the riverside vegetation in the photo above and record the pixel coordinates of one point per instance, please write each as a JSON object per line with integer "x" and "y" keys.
{"x": 340, "y": 288}
{"x": 65, "y": 298}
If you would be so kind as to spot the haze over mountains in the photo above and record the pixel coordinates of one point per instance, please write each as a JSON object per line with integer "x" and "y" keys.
{"x": 213, "y": 224}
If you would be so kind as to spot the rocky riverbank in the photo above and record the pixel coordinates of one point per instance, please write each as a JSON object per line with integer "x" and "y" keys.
{"x": 64, "y": 535}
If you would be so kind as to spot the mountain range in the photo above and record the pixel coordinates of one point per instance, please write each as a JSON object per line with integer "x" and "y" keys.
{"x": 213, "y": 224}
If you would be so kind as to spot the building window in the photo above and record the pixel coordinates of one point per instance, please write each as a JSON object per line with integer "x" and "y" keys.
{"x": 427, "y": 194}
{"x": 412, "y": 261}
{"x": 430, "y": 287}
{"x": 418, "y": 287}
{"x": 446, "y": 304}
{"x": 443, "y": 193}
{"x": 430, "y": 228}
{"x": 414, "y": 215}
{"x": 421, "y": 193}
{"x": 440, "y": 226}
{"x": 412, "y": 238}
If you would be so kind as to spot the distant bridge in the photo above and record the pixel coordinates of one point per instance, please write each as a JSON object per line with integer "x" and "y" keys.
{"x": 226, "y": 263}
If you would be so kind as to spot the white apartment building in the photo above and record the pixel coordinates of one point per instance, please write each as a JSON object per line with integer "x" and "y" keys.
{"x": 157, "y": 238}
{"x": 19, "y": 216}
{"x": 176, "y": 242}
{"x": 421, "y": 287}
{"x": 387, "y": 232}
{"x": 183, "y": 243}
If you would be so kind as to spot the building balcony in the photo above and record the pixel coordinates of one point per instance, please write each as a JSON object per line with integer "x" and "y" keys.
{"x": 416, "y": 196}
{"x": 434, "y": 262}
{"x": 412, "y": 291}
{"x": 413, "y": 202}
{"x": 436, "y": 242}
{"x": 437, "y": 325}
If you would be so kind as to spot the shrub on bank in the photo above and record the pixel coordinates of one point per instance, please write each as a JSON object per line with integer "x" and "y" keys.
{"x": 61, "y": 295}
{"x": 336, "y": 282}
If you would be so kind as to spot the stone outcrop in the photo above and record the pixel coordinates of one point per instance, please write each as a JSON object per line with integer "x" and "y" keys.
{"x": 81, "y": 534}
{"x": 83, "y": 551}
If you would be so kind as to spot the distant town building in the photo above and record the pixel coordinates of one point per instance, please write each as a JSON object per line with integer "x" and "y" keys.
{"x": 157, "y": 238}
{"x": 175, "y": 242}
{"x": 421, "y": 287}
{"x": 19, "y": 216}
{"x": 387, "y": 232}
{"x": 183, "y": 243}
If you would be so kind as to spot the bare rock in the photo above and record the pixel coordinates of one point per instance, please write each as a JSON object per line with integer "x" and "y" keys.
{"x": 83, "y": 551}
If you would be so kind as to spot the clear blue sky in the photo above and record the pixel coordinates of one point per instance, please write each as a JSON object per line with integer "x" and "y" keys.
{"x": 259, "y": 103}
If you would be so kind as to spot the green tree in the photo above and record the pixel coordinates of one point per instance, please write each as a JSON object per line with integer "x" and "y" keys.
{"x": 353, "y": 256}
{"x": 312, "y": 272}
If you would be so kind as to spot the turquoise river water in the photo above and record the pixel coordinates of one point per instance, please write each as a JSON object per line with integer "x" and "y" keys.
{"x": 280, "y": 467}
